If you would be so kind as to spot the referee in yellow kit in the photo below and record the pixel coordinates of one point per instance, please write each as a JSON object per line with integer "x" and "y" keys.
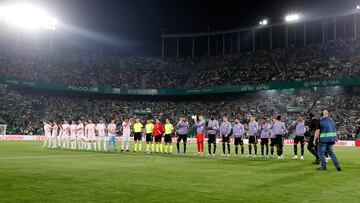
{"x": 149, "y": 131}
{"x": 169, "y": 132}
{"x": 138, "y": 129}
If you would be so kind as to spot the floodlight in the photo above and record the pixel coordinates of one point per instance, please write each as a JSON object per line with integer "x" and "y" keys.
{"x": 27, "y": 16}
{"x": 292, "y": 17}
{"x": 264, "y": 22}
{"x": 358, "y": 7}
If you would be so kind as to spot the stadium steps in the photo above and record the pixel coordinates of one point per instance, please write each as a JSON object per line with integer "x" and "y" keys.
{"x": 192, "y": 77}
{"x": 314, "y": 106}
{"x": 143, "y": 81}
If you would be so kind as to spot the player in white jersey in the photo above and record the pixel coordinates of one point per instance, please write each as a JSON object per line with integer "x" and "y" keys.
{"x": 47, "y": 134}
{"x": 60, "y": 137}
{"x": 112, "y": 134}
{"x": 91, "y": 133}
{"x": 73, "y": 134}
{"x": 86, "y": 136}
{"x": 126, "y": 134}
{"x": 54, "y": 134}
{"x": 80, "y": 137}
{"x": 66, "y": 134}
{"x": 100, "y": 129}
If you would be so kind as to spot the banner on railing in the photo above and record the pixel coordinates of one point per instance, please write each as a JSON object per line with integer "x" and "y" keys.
{"x": 186, "y": 91}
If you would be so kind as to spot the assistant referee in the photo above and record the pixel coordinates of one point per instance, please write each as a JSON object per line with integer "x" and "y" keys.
{"x": 138, "y": 129}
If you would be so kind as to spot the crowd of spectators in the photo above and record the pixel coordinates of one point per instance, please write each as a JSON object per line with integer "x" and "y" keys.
{"x": 334, "y": 59}
{"x": 93, "y": 70}
{"x": 161, "y": 63}
{"x": 23, "y": 112}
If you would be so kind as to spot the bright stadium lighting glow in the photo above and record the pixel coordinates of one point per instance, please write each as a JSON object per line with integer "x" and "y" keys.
{"x": 358, "y": 7}
{"x": 264, "y": 22}
{"x": 27, "y": 17}
{"x": 292, "y": 17}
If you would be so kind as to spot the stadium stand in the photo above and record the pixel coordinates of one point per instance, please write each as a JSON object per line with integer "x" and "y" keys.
{"x": 331, "y": 60}
{"x": 334, "y": 59}
{"x": 24, "y": 111}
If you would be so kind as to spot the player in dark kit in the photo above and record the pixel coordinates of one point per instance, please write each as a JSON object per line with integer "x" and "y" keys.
{"x": 279, "y": 129}
{"x": 225, "y": 130}
{"x": 272, "y": 138}
{"x": 182, "y": 131}
{"x": 299, "y": 126}
{"x": 212, "y": 128}
{"x": 264, "y": 132}
{"x": 253, "y": 133}
{"x": 238, "y": 132}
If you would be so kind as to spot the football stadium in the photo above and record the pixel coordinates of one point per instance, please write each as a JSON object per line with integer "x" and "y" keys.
{"x": 179, "y": 101}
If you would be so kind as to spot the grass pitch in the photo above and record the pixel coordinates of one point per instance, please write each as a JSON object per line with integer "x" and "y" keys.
{"x": 29, "y": 173}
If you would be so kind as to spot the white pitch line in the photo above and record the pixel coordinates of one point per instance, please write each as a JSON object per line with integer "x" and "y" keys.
{"x": 53, "y": 156}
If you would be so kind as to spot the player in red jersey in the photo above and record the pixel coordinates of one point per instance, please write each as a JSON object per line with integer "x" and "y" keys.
{"x": 158, "y": 132}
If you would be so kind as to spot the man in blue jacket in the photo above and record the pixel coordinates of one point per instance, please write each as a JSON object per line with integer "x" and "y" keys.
{"x": 326, "y": 133}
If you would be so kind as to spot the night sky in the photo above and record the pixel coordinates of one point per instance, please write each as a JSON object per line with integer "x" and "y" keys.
{"x": 135, "y": 24}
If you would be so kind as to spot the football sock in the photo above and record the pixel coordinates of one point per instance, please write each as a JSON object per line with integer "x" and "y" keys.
{"x": 302, "y": 150}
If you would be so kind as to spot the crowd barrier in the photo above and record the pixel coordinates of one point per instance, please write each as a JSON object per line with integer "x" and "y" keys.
{"x": 342, "y": 143}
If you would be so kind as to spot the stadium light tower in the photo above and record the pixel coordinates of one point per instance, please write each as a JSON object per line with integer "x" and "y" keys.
{"x": 264, "y": 22}
{"x": 292, "y": 17}
{"x": 28, "y": 17}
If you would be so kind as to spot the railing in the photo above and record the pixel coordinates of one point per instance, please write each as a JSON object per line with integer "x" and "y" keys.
{"x": 186, "y": 91}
